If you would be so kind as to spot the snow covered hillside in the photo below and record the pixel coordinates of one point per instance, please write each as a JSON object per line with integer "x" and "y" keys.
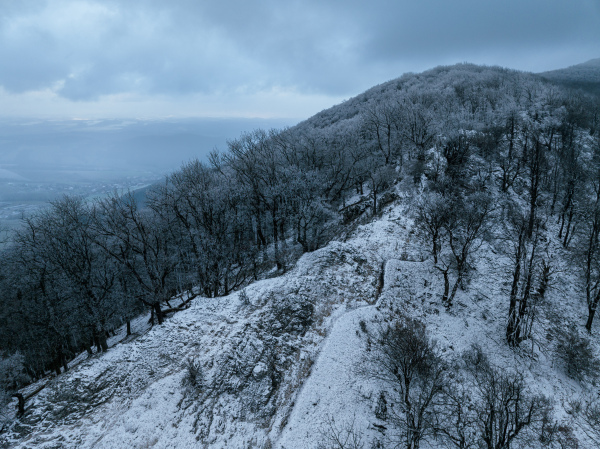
{"x": 255, "y": 356}
{"x": 412, "y": 268}
{"x": 285, "y": 363}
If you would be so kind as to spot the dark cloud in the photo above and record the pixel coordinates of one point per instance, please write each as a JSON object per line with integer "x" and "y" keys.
{"x": 433, "y": 29}
{"x": 84, "y": 49}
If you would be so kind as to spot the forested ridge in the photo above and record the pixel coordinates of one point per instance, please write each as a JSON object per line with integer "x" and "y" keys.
{"x": 488, "y": 155}
{"x": 585, "y": 76}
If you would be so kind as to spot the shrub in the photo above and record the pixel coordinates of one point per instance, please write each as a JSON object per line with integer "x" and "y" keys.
{"x": 488, "y": 407}
{"x": 576, "y": 354}
{"x": 555, "y": 435}
{"x": 194, "y": 375}
{"x": 363, "y": 326}
{"x": 12, "y": 375}
{"x": 587, "y": 417}
{"x": 381, "y": 411}
{"x": 337, "y": 436}
{"x": 244, "y": 299}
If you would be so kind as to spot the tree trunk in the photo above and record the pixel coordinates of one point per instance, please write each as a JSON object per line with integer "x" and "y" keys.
{"x": 446, "y": 287}
{"x": 159, "y": 315}
{"x": 534, "y": 179}
{"x": 568, "y": 232}
{"x": 454, "y": 289}
{"x": 97, "y": 343}
{"x": 524, "y": 303}
{"x": 374, "y": 202}
{"x": 262, "y": 241}
{"x": 103, "y": 343}
{"x": 544, "y": 281}
{"x": 302, "y": 238}
{"x": 588, "y": 324}
{"x": 64, "y": 362}
{"x": 592, "y": 306}
{"x": 100, "y": 340}
{"x": 561, "y": 219}
{"x": 128, "y": 328}
{"x": 20, "y": 405}
{"x": 56, "y": 366}
{"x": 513, "y": 320}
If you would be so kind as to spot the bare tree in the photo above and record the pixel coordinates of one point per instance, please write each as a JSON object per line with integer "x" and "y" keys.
{"x": 569, "y": 183}
{"x": 66, "y": 281}
{"x": 464, "y": 229}
{"x": 588, "y": 414}
{"x": 381, "y": 123}
{"x": 456, "y": 150}
{"x": 575, "y": 352}
{"x": 141, "y": 242}
{"x": 457, "y": 420}
{"x": 530, "y": 274}
{"x": 590, "y": 252}
{"x": 379, "y": 178}
{"x": 510, "y": 162}
{"x": 340, "y": 436}
{"x": 431, "y": 218}
{"x": 409, "y": 361}
{"x": 418, "y": 121}
{"x": 212, "y": 224}
{"x": 11, "y": 379}
{"x": 70, "y": 246}
{"x": 506, "y": 412}
{"x": 312, "y": 213}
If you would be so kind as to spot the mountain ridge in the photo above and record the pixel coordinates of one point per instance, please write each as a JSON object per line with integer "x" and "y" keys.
{"x": 584, "y": 76}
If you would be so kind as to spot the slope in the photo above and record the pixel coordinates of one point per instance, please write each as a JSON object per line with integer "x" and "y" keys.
{"x": 133, "y": 396}
{"x": 254, "y": 356}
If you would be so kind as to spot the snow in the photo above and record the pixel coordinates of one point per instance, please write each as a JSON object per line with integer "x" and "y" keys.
{"x": 336, "y": 388}
{"x": 132, "y": 396}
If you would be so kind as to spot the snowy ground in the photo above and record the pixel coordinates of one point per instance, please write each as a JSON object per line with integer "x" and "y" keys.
{"x": 288, "y": 368}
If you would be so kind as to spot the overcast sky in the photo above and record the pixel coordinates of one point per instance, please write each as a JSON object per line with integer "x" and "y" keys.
{"x": 263, "y": 58}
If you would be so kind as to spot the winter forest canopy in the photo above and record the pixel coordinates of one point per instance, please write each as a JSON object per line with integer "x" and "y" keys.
{"x": 485, "y": 154}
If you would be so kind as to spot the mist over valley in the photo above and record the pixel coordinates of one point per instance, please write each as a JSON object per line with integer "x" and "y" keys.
{"x": 40, "y": 160}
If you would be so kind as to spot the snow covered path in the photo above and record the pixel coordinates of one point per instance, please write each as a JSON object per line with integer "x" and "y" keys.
{"x": 336, "y": 391}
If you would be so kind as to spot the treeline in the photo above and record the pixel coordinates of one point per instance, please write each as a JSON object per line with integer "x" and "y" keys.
{"x": 78, "y": 270}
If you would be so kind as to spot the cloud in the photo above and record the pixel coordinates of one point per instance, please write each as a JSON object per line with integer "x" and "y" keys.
{"x": 86, "y": 50}
{"x": 510, "y": 30}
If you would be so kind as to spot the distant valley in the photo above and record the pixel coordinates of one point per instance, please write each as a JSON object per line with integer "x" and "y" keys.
{"x": 42, "y": 160}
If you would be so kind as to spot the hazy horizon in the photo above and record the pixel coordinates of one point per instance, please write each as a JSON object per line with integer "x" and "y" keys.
{"x": 40, "y": 160}
{"x": 158, "y": 145}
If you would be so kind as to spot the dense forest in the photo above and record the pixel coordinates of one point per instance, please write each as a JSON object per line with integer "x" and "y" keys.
{"x": 492, "y": 155}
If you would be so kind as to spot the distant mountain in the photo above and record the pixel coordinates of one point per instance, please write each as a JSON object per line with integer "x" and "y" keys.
{"x": 585, "y": 76}
{"x": 7, "y": 175}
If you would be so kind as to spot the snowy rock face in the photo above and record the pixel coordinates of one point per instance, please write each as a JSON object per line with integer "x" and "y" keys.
{"x": 251, "y": 361}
